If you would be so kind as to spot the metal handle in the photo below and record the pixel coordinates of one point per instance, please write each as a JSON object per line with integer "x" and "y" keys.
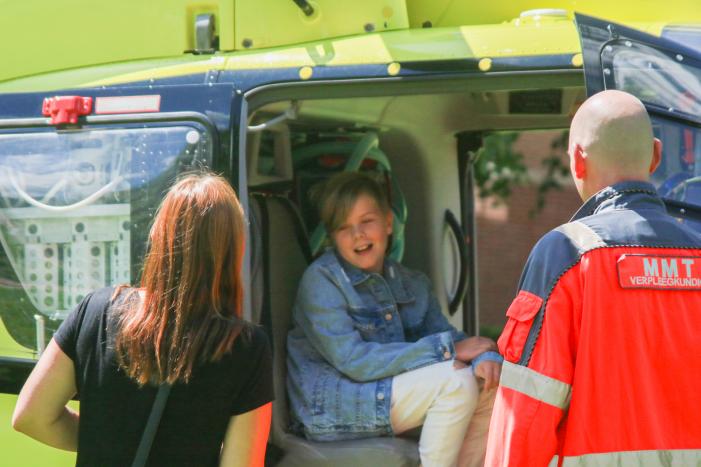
{"x": 305, "y": 6}
{"x": 454, "y": 226}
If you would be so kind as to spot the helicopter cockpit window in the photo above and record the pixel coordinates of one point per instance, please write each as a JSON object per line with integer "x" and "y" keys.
{"x": 671, "y": 83}
{"x": 679, "y": 175}
{"x": 75, "y": 208}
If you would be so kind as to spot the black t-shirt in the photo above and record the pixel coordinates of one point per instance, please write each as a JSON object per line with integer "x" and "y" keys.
{"x": 114, "y": 410}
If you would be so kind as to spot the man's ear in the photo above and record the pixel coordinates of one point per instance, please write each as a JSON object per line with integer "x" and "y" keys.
{"x": 656, "y": 154}
{"x": 579, "y": 158}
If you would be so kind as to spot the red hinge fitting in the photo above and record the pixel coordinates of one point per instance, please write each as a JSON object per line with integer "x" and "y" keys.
{"x": 66, "y": 109}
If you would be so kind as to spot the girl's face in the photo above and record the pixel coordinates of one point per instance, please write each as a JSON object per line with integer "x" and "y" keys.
{"x": 362, "y": 238}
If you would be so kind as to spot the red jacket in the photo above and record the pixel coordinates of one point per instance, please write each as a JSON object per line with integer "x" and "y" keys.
{"x": 603, "y": 341}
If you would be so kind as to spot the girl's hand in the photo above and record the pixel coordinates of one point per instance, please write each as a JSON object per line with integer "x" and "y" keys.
{"x": 469, "y": 348}
{"x": 490, "y": 372}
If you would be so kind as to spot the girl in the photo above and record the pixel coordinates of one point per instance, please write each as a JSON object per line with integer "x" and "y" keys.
{"x": 181, "y": 328}
{"x": 370, "y": 352}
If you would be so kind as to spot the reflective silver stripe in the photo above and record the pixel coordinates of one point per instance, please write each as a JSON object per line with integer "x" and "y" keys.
{"x": 665, "y": 458}
{"x": 535, "y": 385}
{"x": 581, "y": 235}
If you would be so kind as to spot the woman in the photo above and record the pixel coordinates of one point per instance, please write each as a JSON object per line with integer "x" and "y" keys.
{"x": 181, "y": 328}
{"x": 371, "y": 353}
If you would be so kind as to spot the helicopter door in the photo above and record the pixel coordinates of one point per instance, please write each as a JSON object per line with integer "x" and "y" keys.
{"x": 666, "y": 76}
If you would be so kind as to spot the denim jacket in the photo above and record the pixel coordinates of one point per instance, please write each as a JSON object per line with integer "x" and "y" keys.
{"x": 352, "y": 332}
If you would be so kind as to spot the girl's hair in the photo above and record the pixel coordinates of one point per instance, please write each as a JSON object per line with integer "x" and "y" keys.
{"x": 192, "y": 307}
{"x": 340, "y": 193}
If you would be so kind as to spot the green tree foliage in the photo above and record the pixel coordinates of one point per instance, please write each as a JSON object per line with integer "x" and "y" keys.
{"x": 555, "y": 170}
{"x": 498, "y": 168}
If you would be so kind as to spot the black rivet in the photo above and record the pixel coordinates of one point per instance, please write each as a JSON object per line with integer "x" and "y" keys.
{"x": 369, "y": 27}
{"x": 247, "y": 43}
{"x": 427, "y": 24}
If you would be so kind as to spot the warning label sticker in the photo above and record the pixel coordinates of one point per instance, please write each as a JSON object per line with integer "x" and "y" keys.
{"x": 659, "y": 272}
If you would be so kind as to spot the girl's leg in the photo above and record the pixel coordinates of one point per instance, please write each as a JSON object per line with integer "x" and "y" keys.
{"x": 442, "y": 399}
{"x": 474, "y": 446}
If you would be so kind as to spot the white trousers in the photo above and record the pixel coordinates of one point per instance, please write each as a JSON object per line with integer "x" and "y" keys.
{"x": 454, "y": 413}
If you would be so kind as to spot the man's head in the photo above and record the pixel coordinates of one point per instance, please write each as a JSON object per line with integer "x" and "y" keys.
{"x": 611, "y": 141}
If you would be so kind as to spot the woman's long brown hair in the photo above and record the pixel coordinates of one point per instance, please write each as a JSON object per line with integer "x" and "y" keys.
{"x": 192, "y": 306}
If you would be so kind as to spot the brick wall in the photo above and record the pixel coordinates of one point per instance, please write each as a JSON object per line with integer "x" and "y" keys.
{"x": 506, "y": 232}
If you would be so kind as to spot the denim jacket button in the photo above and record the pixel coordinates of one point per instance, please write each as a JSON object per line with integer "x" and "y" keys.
{"x": 380, "y": 396}
{"x": 446, "y": 355}
{"x": 388, "y": 316}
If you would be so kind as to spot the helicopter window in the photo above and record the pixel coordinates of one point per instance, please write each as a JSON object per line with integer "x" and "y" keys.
{"x": 679, "y": 175}
{"x": 668, "y": 83}
{"x": 75, "y": 208}
{"x": 671, "y": 82}
{"x": 688, "y": 35}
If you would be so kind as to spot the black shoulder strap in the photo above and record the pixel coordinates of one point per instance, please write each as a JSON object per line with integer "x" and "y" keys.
{"x": 154, "y": 419}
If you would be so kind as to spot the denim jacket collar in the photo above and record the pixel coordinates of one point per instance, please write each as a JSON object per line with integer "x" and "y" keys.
{"x": 390, "y": 274}
{"x": 623, "y": 195}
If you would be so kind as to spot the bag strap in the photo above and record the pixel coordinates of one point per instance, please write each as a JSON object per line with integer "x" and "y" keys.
{"x": 154, "y": 419}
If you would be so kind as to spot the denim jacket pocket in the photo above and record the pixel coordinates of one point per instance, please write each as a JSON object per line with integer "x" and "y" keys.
{"x": 367, "y": 321}
{"x": 413, "y": 318}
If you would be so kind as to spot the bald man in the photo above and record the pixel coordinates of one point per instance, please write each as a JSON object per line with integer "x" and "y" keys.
{"x": 602, "y": 346}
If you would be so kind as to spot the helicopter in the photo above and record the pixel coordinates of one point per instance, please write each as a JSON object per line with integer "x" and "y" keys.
{"x": 104, "y": 104}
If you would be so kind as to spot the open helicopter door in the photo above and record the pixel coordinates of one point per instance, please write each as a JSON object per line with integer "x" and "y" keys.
{"x": 666, "y": 76}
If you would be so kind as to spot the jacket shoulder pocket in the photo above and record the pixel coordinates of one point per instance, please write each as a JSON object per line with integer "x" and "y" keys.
{"x": 521, "y": 313}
